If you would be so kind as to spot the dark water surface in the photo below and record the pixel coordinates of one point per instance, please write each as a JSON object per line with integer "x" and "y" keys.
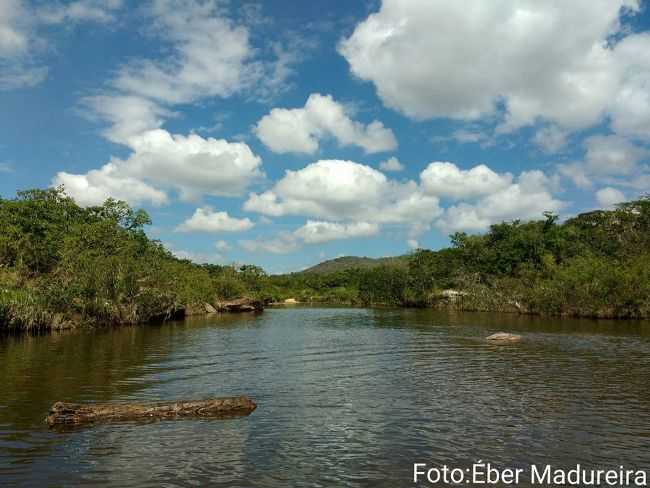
{"x": 346, "y": 397}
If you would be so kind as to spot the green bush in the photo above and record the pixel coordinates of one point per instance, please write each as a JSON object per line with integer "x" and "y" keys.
{"x": 62, "y": 265}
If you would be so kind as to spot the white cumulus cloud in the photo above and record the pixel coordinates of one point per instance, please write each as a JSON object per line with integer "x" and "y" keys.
{"x": 300, "y": 129}
{"x": 608, "y": 197}
{"x": 609, "y": 160}
{"x": 527, "y": 198}
{"x": 391, "y": 165}
{"x": 97, "y": 185}
{"x": 316, "y": 232}
{"x": 345, "y": 190}
{"x": 207, "y": 220}
{"x": 445, "y": 179}
{"x": 612, "y": 155}
{"x": 312, "y": 232}
{"x": 551, "y": 60}
{"x": 191, "y": 165}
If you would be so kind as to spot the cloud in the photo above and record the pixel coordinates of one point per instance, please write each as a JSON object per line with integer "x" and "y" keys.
{"x": 300, "y": 129}
{"x": 20, "y": 76}
{"x": 391, "y": 165}
{"x": 21, "y": 42}
{"x": 17, "y": 44}
{"x": 312, "y": 232}
{"x": 525, "y": 199}
{"x": 344, "y": 190}
{"x": 612, "y": 155}
{"x": 353, "y": 200}
{"x": 222, "y": 245}
{"x": 435, "y": 58}
{"x": 191, "y": 165}
{"x": 550, "y": 139}
{"x": 14, "y": 29}
{"x": 445, "y": 179}
{"x": 6, "y": 168}
{"x": 284, "y": 243}
{"x": 196, "y": 256}
{"x": 210, "y": 56}
{"x": 316, "y": 232}
{"x": 206, "y": 220}
{"x": 608, "y": 197}
{"x": 101, "y": 11}
{"x": 576, "y": 173}
{"x": 129, "y": 116}
{"x": 609, "y": 159}
{"x": 413, "y": 244}
{"x": 96, "y": 186}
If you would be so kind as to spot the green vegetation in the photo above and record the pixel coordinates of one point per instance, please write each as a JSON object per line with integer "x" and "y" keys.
{"x": 594, "y": 265}
{"x": 347, "y": 262}
{"x": 63, "y": 265}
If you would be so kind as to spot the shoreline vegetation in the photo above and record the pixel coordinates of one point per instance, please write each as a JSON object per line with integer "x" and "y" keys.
{"x": 63, "y": 266}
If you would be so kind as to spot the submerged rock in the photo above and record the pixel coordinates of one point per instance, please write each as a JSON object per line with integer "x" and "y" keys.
{"x": 240, "y": 305}
{"x": 197, "y": 309}
{"x": 503, "y": 337}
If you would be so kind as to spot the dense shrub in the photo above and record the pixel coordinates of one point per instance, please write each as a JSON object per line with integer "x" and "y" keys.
{"x": 595, "y": 264}
{"x": 61, "y": 264}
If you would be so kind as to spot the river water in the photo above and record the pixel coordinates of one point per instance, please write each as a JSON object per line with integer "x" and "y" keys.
{"x": 346, "y": 397}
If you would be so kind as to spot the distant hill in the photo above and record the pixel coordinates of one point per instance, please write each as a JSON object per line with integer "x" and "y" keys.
{"x": 348, "y": 262}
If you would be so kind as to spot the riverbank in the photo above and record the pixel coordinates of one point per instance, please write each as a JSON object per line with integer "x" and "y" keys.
{"x": 30, "y": 317}
{"x": 62, "y": 265}
{"x": 596, "y": 264}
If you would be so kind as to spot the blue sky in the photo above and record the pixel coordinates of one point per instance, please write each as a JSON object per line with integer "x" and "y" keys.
{"x": 285, "y": 133}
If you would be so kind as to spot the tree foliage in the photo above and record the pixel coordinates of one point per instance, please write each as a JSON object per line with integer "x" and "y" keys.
{"x": 595, "y": 264}
{"x": 62, "y": 264}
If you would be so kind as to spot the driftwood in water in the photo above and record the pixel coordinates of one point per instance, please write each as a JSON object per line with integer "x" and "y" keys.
{"x": 63, "y": 413}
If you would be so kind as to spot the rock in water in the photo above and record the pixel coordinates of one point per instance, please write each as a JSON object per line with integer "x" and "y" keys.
{"x": 240, "y": 305}
{"x": 503, "y": 337}
{"x": 63, "y": 413}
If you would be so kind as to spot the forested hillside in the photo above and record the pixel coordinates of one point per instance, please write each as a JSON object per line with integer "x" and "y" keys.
{"x": 596, "y": 264}
{"x": 349, "y": 262}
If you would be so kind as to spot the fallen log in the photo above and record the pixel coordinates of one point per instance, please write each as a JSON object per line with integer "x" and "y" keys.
{"x": 64, "y": 413}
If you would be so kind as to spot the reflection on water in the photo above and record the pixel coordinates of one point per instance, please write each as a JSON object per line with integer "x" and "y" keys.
{"x": 346, "y": 397}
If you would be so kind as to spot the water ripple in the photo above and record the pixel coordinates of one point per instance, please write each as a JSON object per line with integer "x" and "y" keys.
{"x": 347, "y": 397}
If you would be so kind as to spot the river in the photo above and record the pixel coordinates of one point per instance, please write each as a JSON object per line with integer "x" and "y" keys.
{"x": 346, "y": 397}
